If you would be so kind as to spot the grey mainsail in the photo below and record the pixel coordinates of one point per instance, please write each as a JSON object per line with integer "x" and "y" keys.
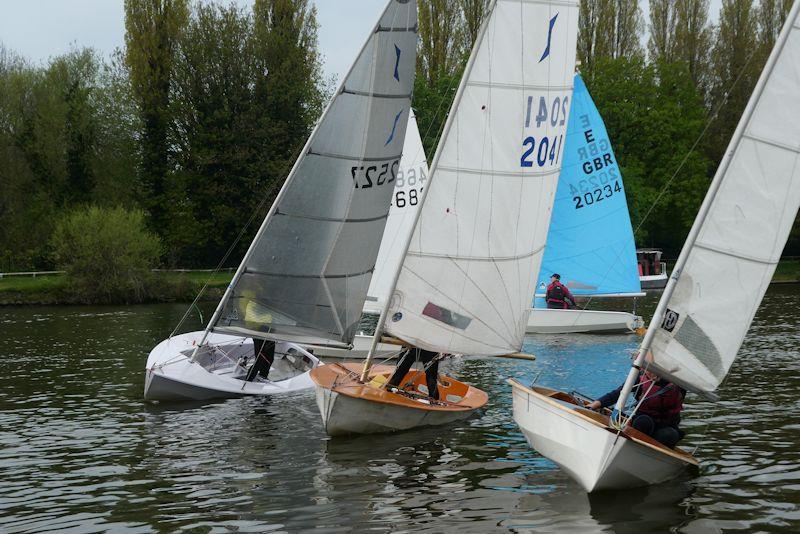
{"x": 306, "y": 275}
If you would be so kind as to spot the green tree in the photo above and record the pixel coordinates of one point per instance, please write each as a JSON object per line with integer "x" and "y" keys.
{"x": 693, "y": 39}
{"x": 152, "y": 31}
{"x": 608, "y": 29}
{"x": 473, "y": 12}
{"x": 735, "y": 68}
{"x": 107, "y": 253}
{"x": 653, "y": 121}
{"x": 440, "y": 33}
{"x": 663, "y": 19}
{"x": 771, "y": 16}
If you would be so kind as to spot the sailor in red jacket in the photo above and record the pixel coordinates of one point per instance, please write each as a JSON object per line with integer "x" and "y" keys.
{"x": 558, "y": 296}
{"x": 659, "y": 414}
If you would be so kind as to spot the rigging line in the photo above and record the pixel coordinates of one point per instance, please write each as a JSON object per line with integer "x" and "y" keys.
{"x": 700, "y": 136}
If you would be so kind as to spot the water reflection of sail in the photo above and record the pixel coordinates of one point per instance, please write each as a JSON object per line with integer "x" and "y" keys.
{"x": 590, "y": 241}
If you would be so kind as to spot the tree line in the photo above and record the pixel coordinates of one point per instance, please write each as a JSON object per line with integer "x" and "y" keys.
{"x": 670, "y": 89}
{"x": 198, "y": 119}
{"x": 194, "y": 121}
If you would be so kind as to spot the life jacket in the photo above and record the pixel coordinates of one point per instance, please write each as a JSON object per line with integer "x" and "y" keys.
{"x": 555, "y": 293}
{"x": 663, "y": 403}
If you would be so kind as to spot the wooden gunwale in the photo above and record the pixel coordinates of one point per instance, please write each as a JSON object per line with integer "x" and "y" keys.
{"x": 327, "y": 376}
{"x": 603, "y": 422}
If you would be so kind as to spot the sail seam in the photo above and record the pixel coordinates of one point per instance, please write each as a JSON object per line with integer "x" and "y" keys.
{"x": 735, "y": 255}
{"x": 325, "y": 276}
{"x": 521, "y": 86}
{"x": 487, "y": 172}
{"x": 770, "y": 142}
{"x": 374, "y": 95}
{"x": 566, "y": 3}
{"x": 413, "y": 29}
{"x": 474, "y": 258}
{"x": 332, "y": 219}
{"x": 351, "y": 158}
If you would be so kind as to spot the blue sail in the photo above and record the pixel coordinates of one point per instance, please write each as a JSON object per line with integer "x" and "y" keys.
{"x": 590, "y": 242}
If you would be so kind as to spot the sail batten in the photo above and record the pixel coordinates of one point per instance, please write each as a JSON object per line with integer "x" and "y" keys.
{"x": 733, "y": 248}
{"x": 467, "y": 278}
{"x": 307, "y": 272}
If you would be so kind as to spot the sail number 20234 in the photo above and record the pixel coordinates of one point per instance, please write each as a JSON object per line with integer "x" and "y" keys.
{"x": 542, "y": 150}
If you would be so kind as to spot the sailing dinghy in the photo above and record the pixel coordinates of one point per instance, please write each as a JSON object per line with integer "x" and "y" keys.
{"x": 466, "y": 279}
{"x": 590, "y": 242}
{"x": 713, "y": 293}
{"x": 409, "y": 184}
{"x": 304, "y": 279}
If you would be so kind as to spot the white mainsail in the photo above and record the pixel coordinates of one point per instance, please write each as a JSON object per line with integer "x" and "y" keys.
{"x": 306, "y": 274}
{"x": 467, "y": 279}
{"x": 408, "y": 188}
{"x": 732, "y": 251}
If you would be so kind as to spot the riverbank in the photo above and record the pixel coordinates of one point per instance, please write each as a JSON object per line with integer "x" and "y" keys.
{"x": 55, "y": 288}
{"x": 184, "y": 286}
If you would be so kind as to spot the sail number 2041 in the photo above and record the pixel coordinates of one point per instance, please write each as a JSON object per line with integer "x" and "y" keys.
{"x": 543, "y": 149}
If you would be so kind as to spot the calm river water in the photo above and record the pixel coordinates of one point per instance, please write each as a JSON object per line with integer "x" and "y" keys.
{"x": 81, "y": 450}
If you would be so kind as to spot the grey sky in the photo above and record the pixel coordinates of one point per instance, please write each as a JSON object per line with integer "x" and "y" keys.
{"x": 39, "y": 29}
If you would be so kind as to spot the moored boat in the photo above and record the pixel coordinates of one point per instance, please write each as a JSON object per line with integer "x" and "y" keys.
{"x": 545, "y": 321}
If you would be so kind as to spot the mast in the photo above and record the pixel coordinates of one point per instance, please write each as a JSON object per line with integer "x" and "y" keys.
{"x": 705, "y": 208}
{"x": 292, "y": 173}
{"x": 431, "y": 175}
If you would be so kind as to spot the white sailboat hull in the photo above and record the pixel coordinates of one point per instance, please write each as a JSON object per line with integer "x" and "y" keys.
{"x": 654, "y": 281}
{"x": 170, "y": 374}
{"x": 595, "y": 456}
{"x": 359, "y": 351}
{"x": 547, "y": 321}
{"x": 344, "y": 415}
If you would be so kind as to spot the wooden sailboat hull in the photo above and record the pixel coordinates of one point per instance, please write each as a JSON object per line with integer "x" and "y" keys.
{"x": 547, "y": 321}
{"x": 171, "y": 375}
{"x": 348, "y": 406}
{"x": 586, "y": 448}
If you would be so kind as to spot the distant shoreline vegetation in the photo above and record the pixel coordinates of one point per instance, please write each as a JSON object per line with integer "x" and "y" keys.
{"x": 53, "y": 289}
{"x": 161, "y": 127}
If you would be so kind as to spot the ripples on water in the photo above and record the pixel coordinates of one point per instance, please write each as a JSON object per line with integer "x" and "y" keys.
{"x": 80, "y": 450}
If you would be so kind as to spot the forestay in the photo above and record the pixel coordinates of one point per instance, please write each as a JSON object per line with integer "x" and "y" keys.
{"x": 590, "y": 242}
{"x": 307, "y": 274}
{"x": 468, "y": 277}
{"x": 408, "y": 188}
{"x": 738, "y": 245}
